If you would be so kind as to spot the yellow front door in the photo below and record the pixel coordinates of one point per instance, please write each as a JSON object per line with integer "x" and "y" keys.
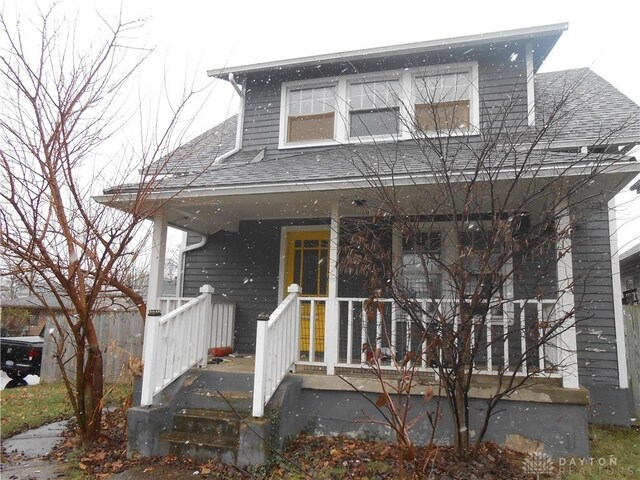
{"x": 307, "y": 264}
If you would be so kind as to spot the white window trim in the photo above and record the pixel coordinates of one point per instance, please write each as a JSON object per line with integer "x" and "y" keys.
{"x": 317, "y": 83}
{"x": 474, "y": 94}
{"x": 531, "y": 94}
{"x": 406, "y": 77}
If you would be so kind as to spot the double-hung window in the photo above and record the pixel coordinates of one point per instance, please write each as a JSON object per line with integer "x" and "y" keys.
{"x": 443, "y": 102}
{"x": 434, "y": 100}
{"x": 311, "y": 114}
{"x": 374, "y": 108}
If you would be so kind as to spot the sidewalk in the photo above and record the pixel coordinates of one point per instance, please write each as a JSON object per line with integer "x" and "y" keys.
{"x": 25, "y": 460}
{"x": 29, "y": 447}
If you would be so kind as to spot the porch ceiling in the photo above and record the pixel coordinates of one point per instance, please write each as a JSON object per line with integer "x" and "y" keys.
{"x": 211, "y": 212}
{"x": 207, "y": 215}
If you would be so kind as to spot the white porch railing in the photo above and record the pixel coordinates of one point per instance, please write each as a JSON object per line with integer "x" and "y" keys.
{"x": 277, "y": 340}
{"x": 506, "y": 342}
{"x": 180, "y": 339}
{"x": 223, "y": 312}
{"x": 169, "y": 304}
{"x": 508, "y": 335}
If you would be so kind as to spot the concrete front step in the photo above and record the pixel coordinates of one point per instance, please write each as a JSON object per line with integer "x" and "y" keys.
{"x": 205, "y": 398}
{"x": 213, "y": 422}
{"x": 206, "y": 434}
{"x": 203, "y": 446}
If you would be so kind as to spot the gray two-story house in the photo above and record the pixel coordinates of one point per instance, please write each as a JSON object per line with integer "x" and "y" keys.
{"x": 267, "y": 196}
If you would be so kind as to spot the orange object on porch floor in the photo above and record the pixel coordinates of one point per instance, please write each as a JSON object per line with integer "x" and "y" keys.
{"x": 220, "y": 351}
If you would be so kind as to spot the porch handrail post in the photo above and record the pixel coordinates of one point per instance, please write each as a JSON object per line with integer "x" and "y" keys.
{"x": 149, "y": 348}
{"x": 208, "y": 323}
{"x": 260, "y": 366}
{"x": 297, "y": 290}
{"x": 566, "y": 301}
{"x": 332, "y": 309}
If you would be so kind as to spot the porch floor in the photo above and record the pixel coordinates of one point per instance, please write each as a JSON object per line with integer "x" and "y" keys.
{"x": 546, "y": 390}
{"x": 237, "y": 363}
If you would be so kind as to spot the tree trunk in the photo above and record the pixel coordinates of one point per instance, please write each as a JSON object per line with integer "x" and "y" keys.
{"x": 93, "y": 388}
{"x": 461, "y": 433}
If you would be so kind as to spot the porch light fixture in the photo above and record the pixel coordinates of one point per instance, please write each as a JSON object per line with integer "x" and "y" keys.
{"x": 359, "y": 202}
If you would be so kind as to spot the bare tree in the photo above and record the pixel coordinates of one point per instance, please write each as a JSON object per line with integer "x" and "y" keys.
{"x": 483, "y": 226}
{"x": 60, "y": 106}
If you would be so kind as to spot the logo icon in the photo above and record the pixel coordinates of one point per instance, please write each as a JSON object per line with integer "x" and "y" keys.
{"x": 538, "y": 464}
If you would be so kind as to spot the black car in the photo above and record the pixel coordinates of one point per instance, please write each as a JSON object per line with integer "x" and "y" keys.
{"x": 21, "y": 356}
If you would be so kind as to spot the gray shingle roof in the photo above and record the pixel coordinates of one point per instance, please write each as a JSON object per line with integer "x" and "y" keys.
{"x": 360, "y": 161}
{"x": 33, "y": 302}
{"x": 199, "y": 154}
{"x": 595, "y": 112}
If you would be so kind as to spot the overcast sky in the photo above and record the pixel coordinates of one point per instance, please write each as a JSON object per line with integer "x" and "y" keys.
{"x": 191, "y": 36}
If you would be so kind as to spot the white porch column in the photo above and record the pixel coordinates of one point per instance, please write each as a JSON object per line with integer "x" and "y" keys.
{"x": 566, "y": 304}
{"x": 332, "y": 310}
{"x": 150, "y": 345}
{"x": 156, "y": 270}
{"x": 621, "y": 347}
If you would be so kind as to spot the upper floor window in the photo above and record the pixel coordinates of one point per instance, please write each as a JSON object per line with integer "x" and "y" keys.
{"x": 374, "y": 108}
{"x": 311, "y": 114}
{"x": 438, "y": 100}
{"x": 443, "y": 102}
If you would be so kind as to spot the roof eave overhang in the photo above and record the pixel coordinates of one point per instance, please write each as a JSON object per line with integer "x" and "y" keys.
{"x": 123, "y": 199}
{"x": 551, "y": 30}
{"x": 622, "y": 141}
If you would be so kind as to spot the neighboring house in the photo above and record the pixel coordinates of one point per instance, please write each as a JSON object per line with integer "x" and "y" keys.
{"x": 26, "y": 315}
{"x": 630, "y": 274}
{"x": 265, "y": 195}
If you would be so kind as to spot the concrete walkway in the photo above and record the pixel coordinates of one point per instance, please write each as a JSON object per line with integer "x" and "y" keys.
{"x": 29, "y": 447}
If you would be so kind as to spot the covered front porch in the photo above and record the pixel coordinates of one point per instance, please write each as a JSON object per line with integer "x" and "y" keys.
{"x": 282, "y": 299}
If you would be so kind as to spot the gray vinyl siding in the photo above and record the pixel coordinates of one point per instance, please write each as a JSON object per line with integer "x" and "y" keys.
{"x": 596, "y": 333}
{"x": 243, "y": 267}
{"x": 502, "y": 84}
{"x": 261, "y": 114}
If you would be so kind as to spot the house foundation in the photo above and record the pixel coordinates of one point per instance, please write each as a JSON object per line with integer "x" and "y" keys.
{"x": 540, "y": 416}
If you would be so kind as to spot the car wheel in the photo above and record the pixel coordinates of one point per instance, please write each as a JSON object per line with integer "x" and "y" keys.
{"x": 16, "y": 382}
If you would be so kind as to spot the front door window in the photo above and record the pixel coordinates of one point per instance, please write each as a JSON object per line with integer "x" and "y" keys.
{"x": 308, "y": 265}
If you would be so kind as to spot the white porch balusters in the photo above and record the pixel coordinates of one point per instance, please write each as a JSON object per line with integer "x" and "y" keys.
{"x": 567, "y": 341}
{"x": 277, "y": 348}
{"x": 332, "y": 311}
{"x": 180, "y": 339}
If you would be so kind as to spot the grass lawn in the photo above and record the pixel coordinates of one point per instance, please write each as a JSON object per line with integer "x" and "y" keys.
{"x": 29, "y": 407}
{"x": 615, "y": 452}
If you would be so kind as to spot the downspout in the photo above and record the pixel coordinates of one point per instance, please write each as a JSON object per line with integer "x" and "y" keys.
{"x": 231, "y": 79}
{"x": 183, "y": 256}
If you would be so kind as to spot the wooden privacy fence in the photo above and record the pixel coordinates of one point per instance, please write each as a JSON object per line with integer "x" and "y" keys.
{"x": 120, "y": 337}
{"x": 632, "y": 339}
